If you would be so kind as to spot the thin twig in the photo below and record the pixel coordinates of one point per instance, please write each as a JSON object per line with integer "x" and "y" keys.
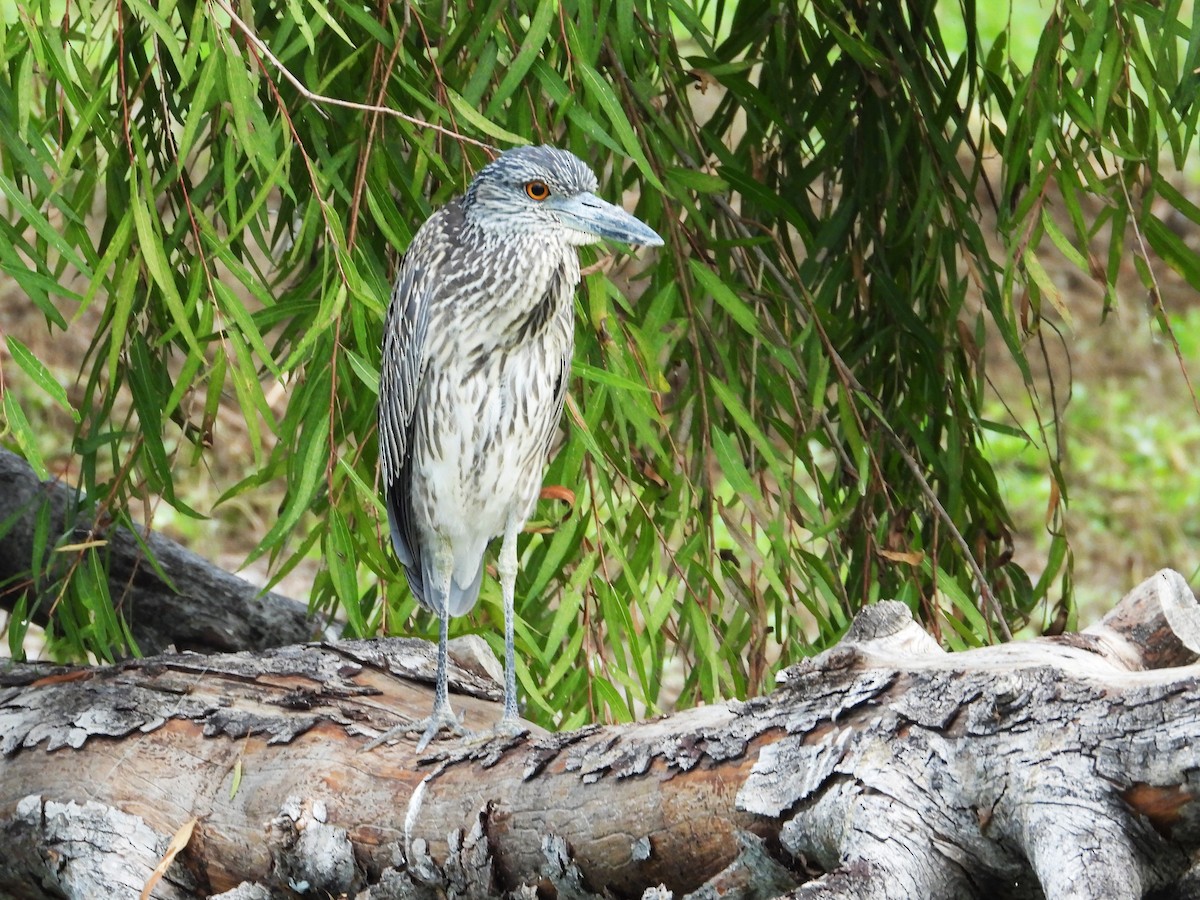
{"x": 372, "y": 125}
{"x": 314, "y": 97}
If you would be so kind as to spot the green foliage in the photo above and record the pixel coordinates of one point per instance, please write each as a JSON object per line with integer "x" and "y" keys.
{"x": 777, "y": 421}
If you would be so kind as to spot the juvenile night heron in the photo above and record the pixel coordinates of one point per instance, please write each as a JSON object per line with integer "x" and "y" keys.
{"x": 476, "y": 356}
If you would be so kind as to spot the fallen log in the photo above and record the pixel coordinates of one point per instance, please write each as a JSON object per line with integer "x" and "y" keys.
{"x": 885, "y": 767}
{"x": 197, "y": 607}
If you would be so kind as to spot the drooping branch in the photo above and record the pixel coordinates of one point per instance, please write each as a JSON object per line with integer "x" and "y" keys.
{"x": 1058, "y": 767}
{"x": 204, "y": 608}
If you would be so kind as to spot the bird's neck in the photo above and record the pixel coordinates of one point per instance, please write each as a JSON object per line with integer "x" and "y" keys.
{"x": 544, "y": 286}
{"x": 527, "y": 289}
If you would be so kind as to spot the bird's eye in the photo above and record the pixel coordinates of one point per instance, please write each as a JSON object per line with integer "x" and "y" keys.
{"x": 537, "y": 190}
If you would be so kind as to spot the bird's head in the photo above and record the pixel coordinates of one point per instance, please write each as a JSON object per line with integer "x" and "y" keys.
{"x": 549, "y": 191}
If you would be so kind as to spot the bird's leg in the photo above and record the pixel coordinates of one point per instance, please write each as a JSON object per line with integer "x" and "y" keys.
{"x": 509, "y": 724}
{"x": 442, "y": 715}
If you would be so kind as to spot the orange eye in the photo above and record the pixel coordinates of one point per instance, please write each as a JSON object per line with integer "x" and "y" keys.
{"x": 537, "y": 190}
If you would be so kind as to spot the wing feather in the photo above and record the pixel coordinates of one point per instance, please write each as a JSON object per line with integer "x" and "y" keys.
{"x": 399, "y": 384}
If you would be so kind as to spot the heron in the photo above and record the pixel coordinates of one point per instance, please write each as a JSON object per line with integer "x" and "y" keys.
{"x": 476, "y": 357}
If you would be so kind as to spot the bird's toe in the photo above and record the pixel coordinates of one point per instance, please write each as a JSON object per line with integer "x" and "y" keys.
{"x": 444, "y": 721}
{"x": 509, "y": 727}
{"x": 428, "y": 728}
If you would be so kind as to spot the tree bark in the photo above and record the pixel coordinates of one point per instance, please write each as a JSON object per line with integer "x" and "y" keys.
{"x": 202, "y": 608}
{"x": 1058, "y": 767}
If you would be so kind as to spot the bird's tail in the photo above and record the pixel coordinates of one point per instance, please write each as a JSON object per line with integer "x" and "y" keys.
{"x": 461, "y": 597}
{"x": 420, "y": 567}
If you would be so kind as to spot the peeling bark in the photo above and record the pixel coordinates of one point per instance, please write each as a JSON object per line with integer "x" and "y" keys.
{"x": 883, "y": 768}
{"x": 203, "y": 608}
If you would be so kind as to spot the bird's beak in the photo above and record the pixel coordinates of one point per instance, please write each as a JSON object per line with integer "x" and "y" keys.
{"x": 587, "y": 212}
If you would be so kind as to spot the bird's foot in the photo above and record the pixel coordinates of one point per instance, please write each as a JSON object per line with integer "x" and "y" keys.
{"x": 442, "y": 718}
{"x": 507, "y": 728}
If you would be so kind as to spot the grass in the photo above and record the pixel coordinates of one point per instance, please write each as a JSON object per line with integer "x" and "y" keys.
{"x": 1131, "y": 434}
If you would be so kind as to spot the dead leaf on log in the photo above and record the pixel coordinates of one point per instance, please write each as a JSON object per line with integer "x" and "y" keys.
{"x": 178, "y": 842}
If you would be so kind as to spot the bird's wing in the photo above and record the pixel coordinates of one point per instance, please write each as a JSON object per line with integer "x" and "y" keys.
{"x": 564, "y": 372}
{"x": 560, "y": 396}
{"x": 399, "y": 381}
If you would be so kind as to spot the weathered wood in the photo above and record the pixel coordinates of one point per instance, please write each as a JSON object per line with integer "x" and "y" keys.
{"x": 204, "y": 608}
{"x": 883, "y": 768}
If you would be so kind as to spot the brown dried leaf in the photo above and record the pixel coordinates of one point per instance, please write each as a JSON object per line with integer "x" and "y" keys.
{"x": 913, "y": 558}
{"x": 558, "y": 492}
{"x": 178, "y": 842}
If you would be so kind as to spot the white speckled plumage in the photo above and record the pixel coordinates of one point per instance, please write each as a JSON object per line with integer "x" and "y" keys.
{"x": 476, "y": 355}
